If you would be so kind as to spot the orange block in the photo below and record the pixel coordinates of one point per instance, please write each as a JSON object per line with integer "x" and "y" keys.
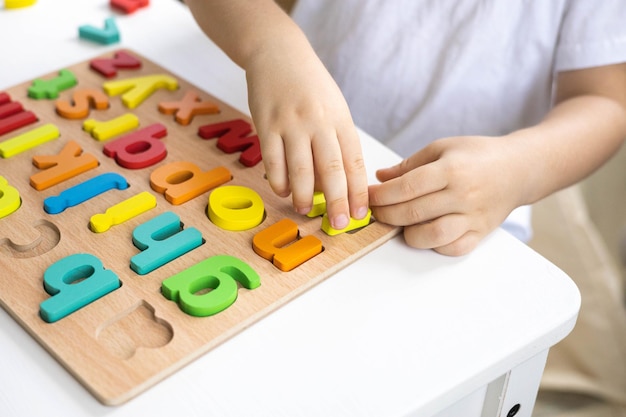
{"x": 279, "y": 244}
{"x": 182, "y": 181}
{"x": 188, "y": 107}
{"x": 68, "y": 163}
{"x": 83, "y": 99}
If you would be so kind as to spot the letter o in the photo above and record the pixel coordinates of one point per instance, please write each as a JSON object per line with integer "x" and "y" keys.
{"x": 235, "y": 208}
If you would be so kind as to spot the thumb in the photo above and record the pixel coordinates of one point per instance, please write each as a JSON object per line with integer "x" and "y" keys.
{"x": 422, "y": 157}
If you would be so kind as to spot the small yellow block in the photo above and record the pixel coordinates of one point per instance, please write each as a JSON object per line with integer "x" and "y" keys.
{"x": 121, "y": 212}
{"x": 16, "y": 4}
{"x": 319, "y": 205}
{"x": 28, "y": 140}
{"x": 104, "y": 130}
{"x": 352, "y": 225}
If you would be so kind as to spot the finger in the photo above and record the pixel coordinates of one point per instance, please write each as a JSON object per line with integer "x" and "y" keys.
{"x": 418, "y": 182}
{"x": 462, "y": 246}
{"x": 437, "y": 233}
{"x": 275, "y": 164}
{"x": 425, "y": 156}
{"x": 300, "y": 171}
{"x": 332, "y": 178}
{"x": 420, "y": 210}
{"x": 356, "y": 175}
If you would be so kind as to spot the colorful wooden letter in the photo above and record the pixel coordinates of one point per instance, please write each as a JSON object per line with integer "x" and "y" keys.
{"x": 110, "y": 34}
{"x": 233, "y": 138}
{"x": 9, "y": 198}
{"x": 108, "y": 66}
{"x": 272, "y": 242}
{"x": 15, "y": 4}
{"x": 218, "y": 273}
{"x": 12, "y": 115}
{"x": 352, "y": 225}
{"x": 83, "y": 99}
{"x": 128, "y": 6}
{"x": 188, "y": 107}
{"x": 29, "y": 140}
{"x": 139, "y": 149}
{"x": 182, "y": 181}
{"x": 51, "y": 88}
{"x": 84, "y": 191}
{"x": 73, "y": 282}
{"x": 8, "y": 107}
{"x": 104, "y": 130}
{"x": 235, "y": 208}
{"x": 319, "y": 209}
{"x": 135, "y": 90}
{"x": 162, "y": 240}
{"x": 122, "y": 212}
{"x": 319, "y": 205}
{"x": 68, "y": 163}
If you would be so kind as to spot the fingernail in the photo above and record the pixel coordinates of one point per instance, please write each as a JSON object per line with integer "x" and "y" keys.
{"x": 303, "y": 210}
{"x": 361, "y": 212}
{"x": 340, "y": 222}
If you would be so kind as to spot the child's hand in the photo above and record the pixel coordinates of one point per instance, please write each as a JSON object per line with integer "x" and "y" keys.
{"x": 307, "y": 136}
{"x": 451, "y": 194}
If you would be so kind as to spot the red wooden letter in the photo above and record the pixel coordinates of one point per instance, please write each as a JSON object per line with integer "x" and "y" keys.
{"x": 139, "y": 149}
{"x": 12, "y": 115}
{"x": 232, "y": 138}
{"x": 109, "y": 66}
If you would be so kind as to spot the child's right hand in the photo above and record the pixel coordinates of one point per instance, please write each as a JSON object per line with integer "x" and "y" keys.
{"x": 308, "y": 139}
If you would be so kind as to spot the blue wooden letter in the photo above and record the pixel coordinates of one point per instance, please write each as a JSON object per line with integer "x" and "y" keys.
{"x": 73, "y": 282}
{"x": 161, "y": 241}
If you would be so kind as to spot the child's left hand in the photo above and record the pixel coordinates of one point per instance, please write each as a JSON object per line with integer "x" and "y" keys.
{"x": 451, "y": 194}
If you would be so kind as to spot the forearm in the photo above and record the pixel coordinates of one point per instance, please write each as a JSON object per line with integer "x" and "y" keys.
{"x": 244, "y": 28}
{"x": 581, "y": 132}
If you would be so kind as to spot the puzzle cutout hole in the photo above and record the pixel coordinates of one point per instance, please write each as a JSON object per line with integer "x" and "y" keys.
{"x": 49, "y": 237}
{"x": 134, "y": 329}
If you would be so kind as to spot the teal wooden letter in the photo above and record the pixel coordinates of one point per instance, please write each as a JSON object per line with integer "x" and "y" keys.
{"x": 220, "y": 274}
{"x": 73, "y": 282}
{"x": 161, "y": 241}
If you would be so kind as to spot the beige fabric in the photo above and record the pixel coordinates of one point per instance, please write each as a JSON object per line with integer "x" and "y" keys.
{"x": 605, "y": 195}
{"x": 556, "y": 404}
{"x": 592, "y": 359}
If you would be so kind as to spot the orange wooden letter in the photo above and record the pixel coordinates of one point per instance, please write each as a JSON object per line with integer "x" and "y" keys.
{"x": 68, "y": 163}
{"x": 82, "y": 100}
{"x": 181, "y": 181}
{"x": 271, "y": 245}
{"x": 188, "y": 107}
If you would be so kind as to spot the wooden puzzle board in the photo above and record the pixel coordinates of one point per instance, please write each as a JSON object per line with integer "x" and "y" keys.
{"x": 129, "y": 339}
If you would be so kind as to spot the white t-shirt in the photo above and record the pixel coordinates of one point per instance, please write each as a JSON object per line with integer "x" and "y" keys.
{"x": 414, "y": 71}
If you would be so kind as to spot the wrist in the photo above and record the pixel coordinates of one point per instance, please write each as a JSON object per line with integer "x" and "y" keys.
{"x": 527, "y": 169}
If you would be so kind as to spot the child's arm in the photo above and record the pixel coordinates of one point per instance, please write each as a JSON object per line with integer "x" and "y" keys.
{"x": 307, "y": 136}
{"x": 456, "y": 190}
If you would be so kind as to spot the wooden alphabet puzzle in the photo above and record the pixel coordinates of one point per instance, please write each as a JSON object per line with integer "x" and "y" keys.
{"x": 137, "y": 230}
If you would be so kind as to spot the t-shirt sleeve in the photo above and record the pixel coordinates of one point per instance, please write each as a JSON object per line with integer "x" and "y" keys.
{"x": 593, "y": 33}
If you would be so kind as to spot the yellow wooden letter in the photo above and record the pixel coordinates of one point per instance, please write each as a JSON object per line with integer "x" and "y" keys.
{"x": 135, "y": 90}
{"x": 28, "y": 140}
{"x": 235, "y": 208}
{"x": 9, "y": 198}
{"x": 121, "y": 212}
{"x": 107, "y": 129}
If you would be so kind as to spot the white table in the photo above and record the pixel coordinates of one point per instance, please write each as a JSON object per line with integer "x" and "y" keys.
{"x": 401, "y": 332}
